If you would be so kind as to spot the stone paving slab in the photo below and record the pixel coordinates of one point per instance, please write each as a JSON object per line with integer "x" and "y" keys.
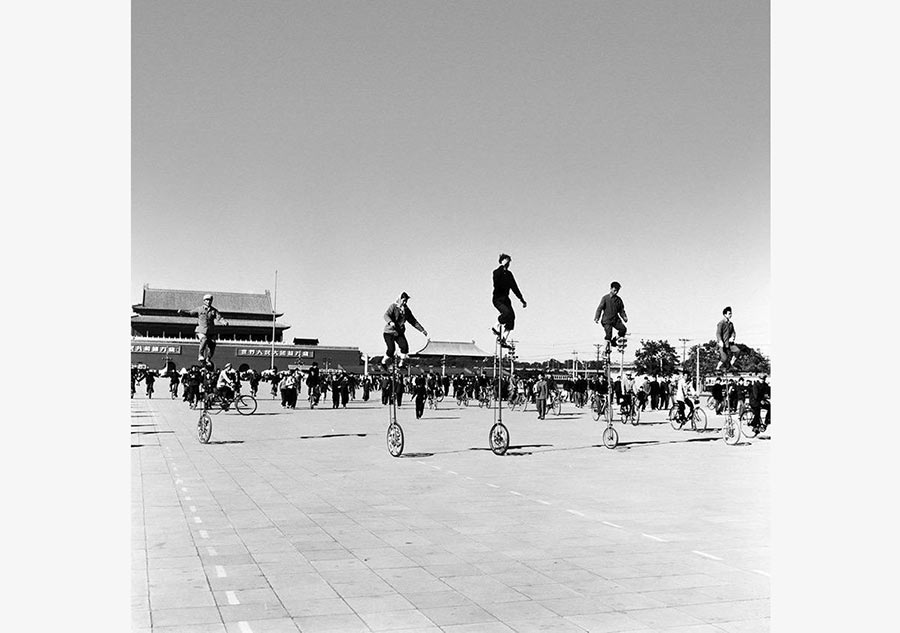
{"x": 301, "y": 521}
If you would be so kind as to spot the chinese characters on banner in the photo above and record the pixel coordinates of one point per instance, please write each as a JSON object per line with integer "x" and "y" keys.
{"x": 156, "y": 349}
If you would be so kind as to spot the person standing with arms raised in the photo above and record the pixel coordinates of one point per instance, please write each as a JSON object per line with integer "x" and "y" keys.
{"x": 207, "y": 320}
{"x": 504, "y": 281}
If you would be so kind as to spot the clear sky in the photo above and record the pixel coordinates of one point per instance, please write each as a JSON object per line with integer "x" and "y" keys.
{"x": 363, "y": 149}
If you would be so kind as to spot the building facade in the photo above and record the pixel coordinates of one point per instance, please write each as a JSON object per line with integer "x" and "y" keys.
{"x": 253, "y": 337}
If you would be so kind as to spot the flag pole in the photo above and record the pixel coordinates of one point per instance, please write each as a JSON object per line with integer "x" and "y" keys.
{"x": 274, "y": 307}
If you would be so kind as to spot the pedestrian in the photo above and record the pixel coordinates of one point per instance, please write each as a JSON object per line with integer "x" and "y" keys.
{"x": 149, "y": 379}
{"x": 420, "y": 389}
{"x": 654, "y": 393}
{"x": 541, "y": 393}
{"x": 611, "y": 314}
{"x": 504, "y": 281}
{"x": 208, "y": 318}
{"x": 344, "y": 386}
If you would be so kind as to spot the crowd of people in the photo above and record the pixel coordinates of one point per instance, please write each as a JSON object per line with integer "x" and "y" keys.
{"x": 656, "y": 392}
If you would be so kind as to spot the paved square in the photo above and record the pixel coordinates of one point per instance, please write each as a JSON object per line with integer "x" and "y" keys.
{"x": 301, "y": 521}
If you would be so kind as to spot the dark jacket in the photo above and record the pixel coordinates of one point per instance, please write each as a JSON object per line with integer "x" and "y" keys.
{"x": 504, "y": 282}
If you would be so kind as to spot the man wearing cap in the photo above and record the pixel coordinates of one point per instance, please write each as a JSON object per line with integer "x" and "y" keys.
{"x": 504, "y": 281}
{"x": 611, "y": 313}
{"x": 226, "y": 385}
{"x": 207, "y": 320}
{"x": 396, "y": 317}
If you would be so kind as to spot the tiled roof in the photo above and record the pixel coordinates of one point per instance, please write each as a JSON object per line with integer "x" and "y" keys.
{"x": 192, "y": 321}
{"x": 231, "y": 302}
{"x": 452, "y": 348}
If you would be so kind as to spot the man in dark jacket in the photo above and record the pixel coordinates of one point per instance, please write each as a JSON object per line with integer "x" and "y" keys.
{"x": 504, "y": 281}
{"x": 611, "y": 313}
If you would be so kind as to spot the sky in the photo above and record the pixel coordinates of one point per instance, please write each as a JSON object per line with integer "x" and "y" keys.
{"x": 366, "y": 149}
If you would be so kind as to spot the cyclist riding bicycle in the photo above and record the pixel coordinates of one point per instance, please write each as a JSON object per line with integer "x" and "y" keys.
{"x": 627, "y": 392}
{"x": 227, "y": 384}
{"x": 682, "y": 396}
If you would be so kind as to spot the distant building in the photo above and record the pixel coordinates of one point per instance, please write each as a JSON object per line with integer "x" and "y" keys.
{"x": 159, "y": 334}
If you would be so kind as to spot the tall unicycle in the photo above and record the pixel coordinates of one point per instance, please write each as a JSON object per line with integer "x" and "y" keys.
{"x": 395, "y": 431}
{"x": 610, "y": 435}
{"x": 499, "y": 437}
{"x": 731, "y": 429}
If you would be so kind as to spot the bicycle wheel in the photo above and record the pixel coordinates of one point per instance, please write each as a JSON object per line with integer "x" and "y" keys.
{"x": 499, "y": 439}
{"x": 698, "y": 419}
{"x": 731, "y": 431}
{"x": 245, "y": 405}
{"x": 212, "y": 404}
{"x": 204, "y": 428}
{"x": 674, "y": 419}
{"x": 610, "y": 437}
{"x": 596, "y": 411}
{"x": 711, "y": 403}
{"x": 635, "y": 416}
{"x": 746, "y": 421}
{"x": 439, "y": 397}
{"x": 395, "y": 439}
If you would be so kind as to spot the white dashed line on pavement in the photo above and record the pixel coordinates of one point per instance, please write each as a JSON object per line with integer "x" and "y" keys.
{"x": 204, "y": 534}
{"x": 232, "y": 599}
{"x": 705, "y": 555}
{"x": 244, "y": 627}
{"x": 612, "y": 525}
{"x": 435, "y": 467}
{"x": 184, "y": 490}
{"x": 546, "y": 503}
{"x": 423, "y": 463}
{"x": 493, "y": 485}
{"x": 581, "y": 514}
{"x": 452, "y": 472}
{"x": 655, "y": 538}
{"x": 193, "y": 508}
{"x": 212, "y": 551}
{"x": 761, "y": 573}
{"x": 179, "y": 481}
{"x": 220, "y": 571}
{"x": 187, "y": 499}
{"x": 198, "y": 520}
{"x": 513, "y": 492}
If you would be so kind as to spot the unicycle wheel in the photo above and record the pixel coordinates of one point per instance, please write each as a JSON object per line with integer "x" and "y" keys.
{"x": 204, "y": 428}
{"x": 499, "y": 439}
{"x": 731, "y": 431}
{"x": 610, "y": 438}
{"x": 395, "y": 439}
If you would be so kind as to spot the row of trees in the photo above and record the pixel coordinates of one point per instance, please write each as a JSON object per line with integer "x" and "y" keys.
{"x": 660, "y": 358}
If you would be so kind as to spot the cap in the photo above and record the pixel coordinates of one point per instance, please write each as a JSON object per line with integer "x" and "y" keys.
{"x": 205, "y": 297}
{"x": 404, "y": 296}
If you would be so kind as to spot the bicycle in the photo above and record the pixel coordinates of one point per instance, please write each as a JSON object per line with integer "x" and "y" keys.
{"x": 629, "y": 412}
{"x": 518, "y": 400}
{"x": 598, "y": 406}
{"x": 314, "y": 395}
{"x": 462, "y": 399}
{"x": 244, "y": 404}
{"x": 697, "y": 418}
{"x": 432, "y": 401}
{"x": 556, "y": 400}
{"x": 746, "y": 423}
